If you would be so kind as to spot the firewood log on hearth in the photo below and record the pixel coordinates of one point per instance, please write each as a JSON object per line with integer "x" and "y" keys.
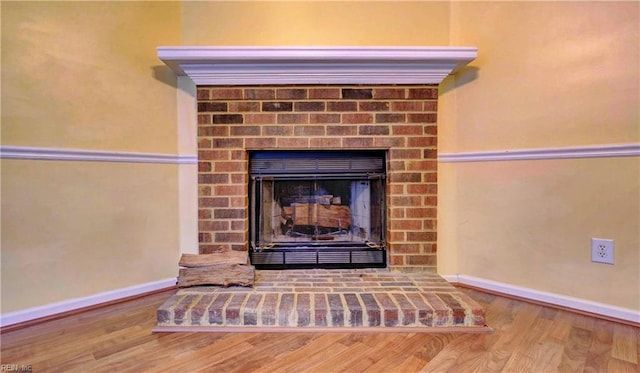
{"x": 228, "y": 268}
{"x": 223, "y": 257}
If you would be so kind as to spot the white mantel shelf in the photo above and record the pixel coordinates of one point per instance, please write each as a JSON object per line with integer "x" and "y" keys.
{"x": 315, "y": 65}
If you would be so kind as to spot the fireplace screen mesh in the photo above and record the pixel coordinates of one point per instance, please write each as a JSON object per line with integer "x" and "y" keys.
{"x": 317, "y": 209}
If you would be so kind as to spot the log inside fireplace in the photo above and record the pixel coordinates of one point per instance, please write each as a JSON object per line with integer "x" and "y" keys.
{"x": 320, "y": 209}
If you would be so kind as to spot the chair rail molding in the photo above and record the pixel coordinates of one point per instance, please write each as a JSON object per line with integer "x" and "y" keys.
{"x": 62, "y": 154}
{"x": 591, "y": 151}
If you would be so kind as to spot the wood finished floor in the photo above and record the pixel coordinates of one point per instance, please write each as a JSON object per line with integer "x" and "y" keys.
{"x": 527, "y": 338}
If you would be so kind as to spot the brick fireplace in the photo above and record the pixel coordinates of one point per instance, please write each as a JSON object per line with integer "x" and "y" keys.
{"x": 397, "y": 119}
{"x": 319, "y": 99}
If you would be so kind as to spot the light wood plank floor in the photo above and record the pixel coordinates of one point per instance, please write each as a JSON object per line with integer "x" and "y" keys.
{"x": 527, "y": 338}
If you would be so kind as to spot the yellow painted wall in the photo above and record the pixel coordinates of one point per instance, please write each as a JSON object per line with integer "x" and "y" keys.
{"x": 85, "y": 75}
{"x": 74, "y": 229}
{"x": 308, "y": 23}
{"x": 549, "y": 74}
{"x": 530, "y": 223}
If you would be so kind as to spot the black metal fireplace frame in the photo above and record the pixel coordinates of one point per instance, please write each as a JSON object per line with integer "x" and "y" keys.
{"x": 316, "y": 165}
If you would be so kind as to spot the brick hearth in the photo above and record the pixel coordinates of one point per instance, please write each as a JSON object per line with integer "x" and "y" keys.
{"x": 317, "y": 298}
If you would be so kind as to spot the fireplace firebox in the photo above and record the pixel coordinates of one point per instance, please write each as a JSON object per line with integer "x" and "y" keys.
{"x": 317, "y": 209}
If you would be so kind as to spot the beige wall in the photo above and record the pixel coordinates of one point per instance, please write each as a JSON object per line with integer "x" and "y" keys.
{"x": 549, "y": 74}
{"x": 85, "y": 75}
{"x": 74, "y": 229}
{"x": 305, "y": 23}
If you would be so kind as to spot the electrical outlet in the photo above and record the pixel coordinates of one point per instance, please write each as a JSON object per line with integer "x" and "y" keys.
{"x": 602, "y": 250}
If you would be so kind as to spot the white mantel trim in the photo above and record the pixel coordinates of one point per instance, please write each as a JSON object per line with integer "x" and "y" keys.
{"x": 315, "y": 65}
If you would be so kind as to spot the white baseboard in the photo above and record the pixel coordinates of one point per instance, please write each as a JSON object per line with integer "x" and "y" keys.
{"x": 34, "y": 313}
{"x": 602, "y": 309}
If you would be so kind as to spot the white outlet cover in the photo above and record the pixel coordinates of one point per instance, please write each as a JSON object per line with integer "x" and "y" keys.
{"x": 602, "y": 250}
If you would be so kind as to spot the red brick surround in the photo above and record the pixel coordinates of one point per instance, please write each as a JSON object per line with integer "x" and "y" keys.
{"x": 398, "y": 118}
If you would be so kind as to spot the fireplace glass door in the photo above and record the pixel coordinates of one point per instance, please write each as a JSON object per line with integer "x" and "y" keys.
{"x": 317, "y": 209}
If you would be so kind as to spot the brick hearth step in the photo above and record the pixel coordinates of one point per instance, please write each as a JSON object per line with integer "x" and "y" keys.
{"x": 326, "y": 298}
